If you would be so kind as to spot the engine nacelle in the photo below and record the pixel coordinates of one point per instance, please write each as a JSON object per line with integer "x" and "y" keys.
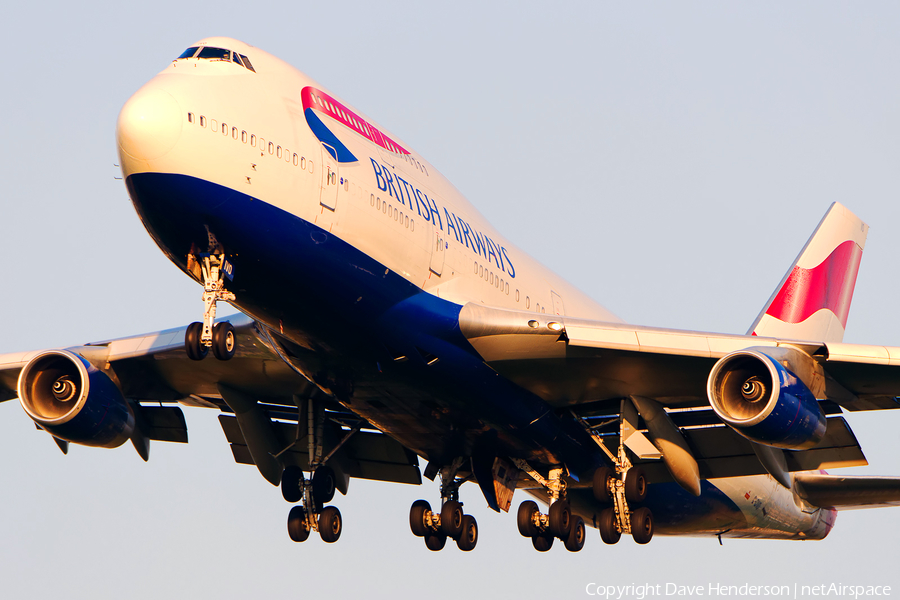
{"x": 764, "y": 401}
{"x": 73, "y": 400}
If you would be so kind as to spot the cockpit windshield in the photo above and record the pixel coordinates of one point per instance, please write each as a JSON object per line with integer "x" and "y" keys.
{"x": 213, "y": 54}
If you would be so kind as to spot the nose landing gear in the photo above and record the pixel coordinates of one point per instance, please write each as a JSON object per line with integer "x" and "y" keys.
{"x": 200, "y": 337}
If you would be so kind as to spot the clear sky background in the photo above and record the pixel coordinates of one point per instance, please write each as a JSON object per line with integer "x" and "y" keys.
{"x": 669, "y": 158}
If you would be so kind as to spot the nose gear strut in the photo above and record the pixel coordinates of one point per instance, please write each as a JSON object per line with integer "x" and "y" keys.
{"x": 201, "y": 336}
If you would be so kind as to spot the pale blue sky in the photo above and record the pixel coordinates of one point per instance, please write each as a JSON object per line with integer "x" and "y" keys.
{"x": 668, "y": 158}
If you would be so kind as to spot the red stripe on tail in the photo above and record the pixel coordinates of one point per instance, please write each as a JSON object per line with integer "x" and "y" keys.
{"x": 828, "y": 285}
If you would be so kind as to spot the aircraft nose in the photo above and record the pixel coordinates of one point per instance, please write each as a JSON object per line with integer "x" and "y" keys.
{"x": 149, "y": 124}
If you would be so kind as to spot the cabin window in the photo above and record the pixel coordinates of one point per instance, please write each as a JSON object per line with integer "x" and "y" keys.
{"x": 480, "y": 271}
{"x": 224, "y": 129}
{"x": 378, "y": 203}
{"x": 303, "y": 163}
{"x": 296, "y": 159}
{"x": 214, "y": 125}
{"x": 412, "y": 226}
{"x": 190, "y": 117}
{"x": 244, "y": 136}
{"x": 253, "y": 140}
{"x": 476, "y": 268}
{"x": 527, "y": 302}
{"x": 202, "y": 121}
{"x": 517, "y": 295}
{"x": 407, "y": 222}
{"x": 277, "y": 150}
{"x": 234, "y": 134}
{"x": 371, "y": 199}
{"x": 271, "y": 148}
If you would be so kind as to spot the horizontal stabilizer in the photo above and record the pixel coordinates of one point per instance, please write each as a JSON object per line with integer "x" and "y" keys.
{"x": 845, "y": 493}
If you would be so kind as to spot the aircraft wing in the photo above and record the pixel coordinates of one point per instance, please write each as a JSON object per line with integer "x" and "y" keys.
{"x": 153, "y": 370}
{"x": 845, "y": 493}
{"x": 585, "y": 368}
{"x": 573, "y": 362}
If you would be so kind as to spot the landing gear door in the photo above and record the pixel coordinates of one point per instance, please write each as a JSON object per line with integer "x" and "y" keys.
{"x": 329, "y": 185}
{"x": 438, "y": 246}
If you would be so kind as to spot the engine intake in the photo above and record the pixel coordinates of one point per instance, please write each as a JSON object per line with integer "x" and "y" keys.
{"x": 73, "y": 400}
{"x": 764, "y": 401}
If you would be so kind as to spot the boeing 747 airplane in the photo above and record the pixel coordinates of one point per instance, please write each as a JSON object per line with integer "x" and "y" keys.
{"x": 383, "y": 320}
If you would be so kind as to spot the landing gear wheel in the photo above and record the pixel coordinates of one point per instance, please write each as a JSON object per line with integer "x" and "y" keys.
{"x": 607, "y": 526}
{"x": 298, "y": 528}
{"x": 642, "y": 525}
{"x": 435, "y": 541}
{"x": 417, "y": 514}
{"x": 635, "y": 485}
{"x": 542, "y": 543}
{"x": 560, "y": 519}
{"x": 575, "y": 541}
{"x": 223, "y": 341}
{"x": 195, "y": 350}
{"x": 601, "y": 484}
{"x": 323, "y": 485}
{"x": 292, "y": 483}
{"x": 469, "y": 536}
{"x": 525, "y": 519}
{"x": 330, "y": 524}
{"x": 452, "y": 519}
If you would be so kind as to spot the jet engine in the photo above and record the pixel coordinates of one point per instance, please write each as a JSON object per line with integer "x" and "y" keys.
{"x": 74, "y": 401}
{"x": 764, "y": 401}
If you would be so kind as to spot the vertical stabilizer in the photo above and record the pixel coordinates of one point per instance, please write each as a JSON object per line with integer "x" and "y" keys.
{"x": 813, "y": 300}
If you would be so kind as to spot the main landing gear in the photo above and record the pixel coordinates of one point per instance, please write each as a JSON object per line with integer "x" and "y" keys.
{"x": 200, "y": 337}
{"x": 623, "y": 491}
{"x": 560, "y": 523}
{"x": 451, "y": 522}
{"x": 315, "y": 492}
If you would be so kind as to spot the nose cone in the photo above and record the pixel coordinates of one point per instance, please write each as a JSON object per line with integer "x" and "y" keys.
{"x": 149, "y": 125}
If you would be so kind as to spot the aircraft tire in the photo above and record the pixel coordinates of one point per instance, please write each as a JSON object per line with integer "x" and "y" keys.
{"x": 298, "y": 528}
{"x": 575, "y": 541}
{"x": 469, "y": 536}
{"x": 525, "y": 519}
{"x": 435, "y": 541}
{"x": 542, "y": 542}
{"x": 417, "y": 513}
{"x": 223, "y": 341}
{"x": 452, "y": 519}
{"x": 330, "y": 524}
{"x": 642, "y": 525}
{"x": 323, "y": 485}
{"x": 560, "y": 519}
{"x": 600, "y": 484}
{"x": 607, "y": 526}
{"x": 635, "y": 485}
{"x": 195, "y": 350}
{"x": 292, "y": 483}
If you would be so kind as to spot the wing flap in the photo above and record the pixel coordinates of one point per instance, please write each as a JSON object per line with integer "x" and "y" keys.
{"x": 845, "y": 493}
{"x": 367, "y": 455}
